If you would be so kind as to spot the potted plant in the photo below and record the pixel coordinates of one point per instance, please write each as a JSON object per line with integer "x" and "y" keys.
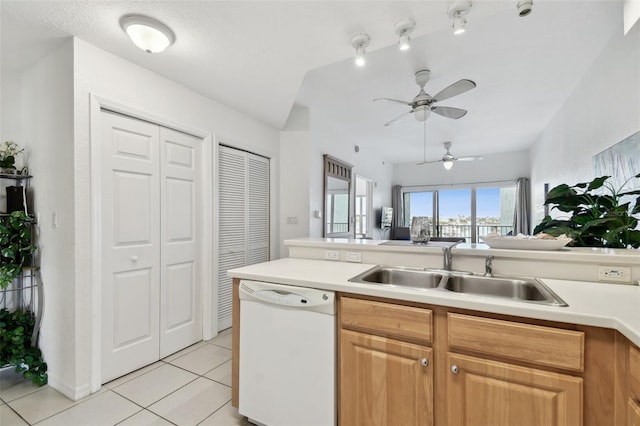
{"x": 16, "y": 347}
{"x": 15, "y": 246}
{"x": 601, "y": 215}
{"x": 8, "y": 152}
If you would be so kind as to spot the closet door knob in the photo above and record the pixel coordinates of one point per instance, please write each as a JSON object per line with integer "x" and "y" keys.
{"x": 134, "y": 258}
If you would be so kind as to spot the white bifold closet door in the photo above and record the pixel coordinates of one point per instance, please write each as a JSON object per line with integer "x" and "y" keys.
{"x": 151, "y": 216}
{"x": 243, "y": 219}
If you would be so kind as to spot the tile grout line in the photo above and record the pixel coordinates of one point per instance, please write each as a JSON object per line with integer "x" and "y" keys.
{"x": 142, "y": 408}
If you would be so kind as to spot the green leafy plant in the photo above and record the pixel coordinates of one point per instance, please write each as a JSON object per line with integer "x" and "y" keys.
{"x": 8, "y": 152}
{"x": 16, "y": 349}
{"x": 15, "y": 246}
{"x": 600, "y": 217}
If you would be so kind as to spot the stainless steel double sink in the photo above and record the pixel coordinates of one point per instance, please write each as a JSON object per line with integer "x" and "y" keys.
{"x": 524, "y": 289}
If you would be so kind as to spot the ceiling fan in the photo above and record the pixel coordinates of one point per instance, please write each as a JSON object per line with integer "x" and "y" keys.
{"x": 448, "y": 158}
{"x": 422, "y": 104}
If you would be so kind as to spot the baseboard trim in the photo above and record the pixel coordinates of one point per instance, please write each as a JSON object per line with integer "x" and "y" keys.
{"x": 72, "y": 392}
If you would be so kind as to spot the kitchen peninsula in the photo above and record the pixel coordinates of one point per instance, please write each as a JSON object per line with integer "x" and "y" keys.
{"x": 562, "y": 365}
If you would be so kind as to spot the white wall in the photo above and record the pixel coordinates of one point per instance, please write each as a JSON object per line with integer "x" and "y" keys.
{"x": 10, "y": 107}
{"x": 47, "y": 130}
{"x": 603, "y": 109}
{"x": 102, "y": 74}
{"x": 492, "y": 168}
{"x": 55, "y": 121}
{"x": 294, "y": 177}
{"x": 367, "y": 163}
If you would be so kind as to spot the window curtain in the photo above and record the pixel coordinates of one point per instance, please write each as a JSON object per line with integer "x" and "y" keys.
{"x": 522, "y": 210}
{"x": 396, "y": 204}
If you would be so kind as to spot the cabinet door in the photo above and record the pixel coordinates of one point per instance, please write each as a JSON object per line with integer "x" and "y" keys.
{"x": 483, "y": 392}
{"x": 384, "y": 382}
{"x": 633, "y": 413}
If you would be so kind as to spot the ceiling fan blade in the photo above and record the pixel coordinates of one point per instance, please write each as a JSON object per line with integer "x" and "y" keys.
{"x": 450, "y": 112}
{"x": 399, "y": 119}
{"x": 469, "y": 158}
{"x": 455, "y": 89}
{"x": 428, "y": 162}
{"x": 393, "y": 100}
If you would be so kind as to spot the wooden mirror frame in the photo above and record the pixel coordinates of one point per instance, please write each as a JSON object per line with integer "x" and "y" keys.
{"x": 338, "y": 169}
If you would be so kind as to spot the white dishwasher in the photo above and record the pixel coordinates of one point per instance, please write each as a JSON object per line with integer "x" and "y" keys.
{"x": 287, "y": 355}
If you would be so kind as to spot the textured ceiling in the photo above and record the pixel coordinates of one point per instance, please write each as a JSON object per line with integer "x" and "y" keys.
{"x": 260, "y": 57}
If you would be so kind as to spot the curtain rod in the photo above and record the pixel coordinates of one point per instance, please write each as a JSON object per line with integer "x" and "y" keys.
{"x": 461, "y": 183}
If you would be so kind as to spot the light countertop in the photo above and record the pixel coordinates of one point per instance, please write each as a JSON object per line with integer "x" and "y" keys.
{"x": 572, "y": 254}
{"x": 596, "y": 304}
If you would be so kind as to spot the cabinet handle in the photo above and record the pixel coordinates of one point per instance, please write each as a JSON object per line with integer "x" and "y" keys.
{"x": 424, "y": 362}
{"x": 455, "y": 369}
{"x": 134, "y": 258}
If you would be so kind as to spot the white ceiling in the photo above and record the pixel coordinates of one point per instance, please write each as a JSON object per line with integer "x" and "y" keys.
{"x": 260, "y": 57}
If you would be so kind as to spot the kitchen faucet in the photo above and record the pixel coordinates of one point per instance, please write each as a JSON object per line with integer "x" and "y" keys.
{"x": 447, "y": 256}
{"x": 488, "y": 267}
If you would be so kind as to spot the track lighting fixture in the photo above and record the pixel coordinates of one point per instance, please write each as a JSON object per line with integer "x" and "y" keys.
{"x": 360, "y": 42}
{"x": 404, "y": 28}
{"x": 457, "y": 11}
{"x": 524, "y": 7}
{"x": 148, "y": 34}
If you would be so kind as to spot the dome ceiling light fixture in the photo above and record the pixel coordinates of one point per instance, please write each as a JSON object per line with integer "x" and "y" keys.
{"x": 147, "y": 33}
{"x": 457, "y": 11}
{"x": 360, "y": 42}
{"x": 404, "y": 28}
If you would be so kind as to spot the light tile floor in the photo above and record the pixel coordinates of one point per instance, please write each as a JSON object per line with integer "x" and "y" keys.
{"x": 190, "y": 387}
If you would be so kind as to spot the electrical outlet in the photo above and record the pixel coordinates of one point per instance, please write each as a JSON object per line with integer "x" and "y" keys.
{"x": 292, "y": 220}
{"x": 618, "y": 274}
{"x": 332, "y": 255}
{"x": 354, "y": 256}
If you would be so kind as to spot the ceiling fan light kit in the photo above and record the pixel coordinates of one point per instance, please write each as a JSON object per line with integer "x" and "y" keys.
{"x": 404, "y": 28}
{"x": 447, "y": 164}
{"x": 423, "y": 104}
{"x": 457, "y": 11}
{"x": 360, "y": 42}
{"x": 147, "y": 33}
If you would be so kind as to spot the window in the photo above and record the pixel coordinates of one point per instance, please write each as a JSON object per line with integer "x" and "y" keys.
{"x": 364, "y": 192}
{"x": 468, "y": 212}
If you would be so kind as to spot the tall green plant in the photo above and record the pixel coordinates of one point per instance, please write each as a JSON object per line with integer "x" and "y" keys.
{"x": 599, "y": 217}
{"x": 15, "y": 246}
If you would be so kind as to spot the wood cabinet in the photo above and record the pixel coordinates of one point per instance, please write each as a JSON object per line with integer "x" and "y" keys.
{"x": 633, "y": 374}
{"x": 385, "y": 365}
{"x": 507, "y": 372}
{"x": 384, "y": 381}
{"x": 482, "y": 392}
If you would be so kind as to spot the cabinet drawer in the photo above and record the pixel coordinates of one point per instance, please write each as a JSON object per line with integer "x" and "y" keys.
{"x": 539, "y": 345}
{"x": 386, "y": 319}
{"x": 634, "y": 371}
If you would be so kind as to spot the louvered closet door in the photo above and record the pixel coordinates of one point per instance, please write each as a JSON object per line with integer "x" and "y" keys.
{"x": 258, "y": 209}
{"x": 243, "y": 219}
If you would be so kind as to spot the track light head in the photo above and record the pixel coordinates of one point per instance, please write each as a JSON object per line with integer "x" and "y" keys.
{"x": 360, "y": 42}
{"x": 404, "y": 28}
{"x": 524, "y": 7}
{"x": 457, "y": 12}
